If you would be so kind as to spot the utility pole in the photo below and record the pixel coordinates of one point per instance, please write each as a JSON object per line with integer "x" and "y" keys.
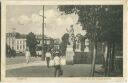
{"x": 43, "y": 55}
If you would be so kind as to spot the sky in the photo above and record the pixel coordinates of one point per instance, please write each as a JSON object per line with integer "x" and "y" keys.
{"x": 27, "y": 18}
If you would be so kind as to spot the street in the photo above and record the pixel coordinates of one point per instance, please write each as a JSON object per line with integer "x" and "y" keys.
{"x": 38, "y": 69}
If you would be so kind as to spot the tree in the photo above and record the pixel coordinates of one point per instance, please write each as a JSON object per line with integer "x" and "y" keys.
{"x": 112, "y": 33}
{"x": 103, "y": 24}
{"x": 18, "y": 35}
{"x": 31, "y": 43}
{"x": 8, "y": 51}
{"x": 64, "y": 43}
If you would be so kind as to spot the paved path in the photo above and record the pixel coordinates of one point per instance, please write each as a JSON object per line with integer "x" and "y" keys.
{"x": 35, "y": 63}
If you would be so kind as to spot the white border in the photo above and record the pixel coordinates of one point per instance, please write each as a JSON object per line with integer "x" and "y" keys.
{"x": 64, "y": 79}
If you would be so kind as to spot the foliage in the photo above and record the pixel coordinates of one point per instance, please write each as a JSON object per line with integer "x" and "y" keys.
{"x": 64, "y": 43}
{"x": 31, "y": 43}
{"x": 103, "y": 23}
{"x": 10, "y": 52}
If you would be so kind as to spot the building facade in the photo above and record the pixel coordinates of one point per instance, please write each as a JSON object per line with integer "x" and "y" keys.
{"x": 47, "y": 40}
{"x": 20, "y": 45}
{"x": 81, "y": 46}
{"x": 16, "y": 43}
{"x": 10, "y": 39}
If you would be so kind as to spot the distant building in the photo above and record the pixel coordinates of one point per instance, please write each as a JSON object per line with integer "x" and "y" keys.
{"x": 57, "y": 44}
{"x": 10, "y": 39}
{"x": 16, "y": 41}
{"x": 47, "y": 40}
{"x": 20, "y": 45}
{"x": 80, "y": 46}
{"x": 86, "y": 49}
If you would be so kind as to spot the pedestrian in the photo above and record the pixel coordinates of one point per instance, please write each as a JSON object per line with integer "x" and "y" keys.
{"x": 57, "y": 65}
{"x": 48, "y": 57}
{"x": 27, "y": 54}
{"x": 52, "y": 53}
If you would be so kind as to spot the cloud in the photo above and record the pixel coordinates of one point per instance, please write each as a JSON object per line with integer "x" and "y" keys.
{"x": 13, "y": 20}
{"x": 36, "y": 18}
{"x": 23, "y": 19}
{"x": 56, "y": 23}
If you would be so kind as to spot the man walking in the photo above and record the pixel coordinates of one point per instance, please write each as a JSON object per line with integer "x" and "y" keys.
{"x": 27, "y": 54}
{"x": 57, "y": 63}
{"x": 48, "y": 57}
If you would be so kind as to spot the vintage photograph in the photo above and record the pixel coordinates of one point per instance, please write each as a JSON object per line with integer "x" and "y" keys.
{"x": 64, "y": 41}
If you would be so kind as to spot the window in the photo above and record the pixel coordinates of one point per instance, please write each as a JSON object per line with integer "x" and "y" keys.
{"x": 20, "y": 47}
{"x": 17, "y": 47}
{"x": 17, "y": 42}
{"x": 20, "y": 42}
{"x": 23, "y": 46}
{"x": 8, "y": 42}
{"x": 12, "y": 42}
{"x": 24, "y": 42}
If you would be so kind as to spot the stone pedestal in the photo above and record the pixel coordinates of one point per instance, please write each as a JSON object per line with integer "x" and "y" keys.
{"x": 69, "y": 55}
{"x": 86, "y": 49}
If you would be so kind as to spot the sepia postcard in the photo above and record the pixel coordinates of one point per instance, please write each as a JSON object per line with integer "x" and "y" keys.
{"x": 64, "y": 41}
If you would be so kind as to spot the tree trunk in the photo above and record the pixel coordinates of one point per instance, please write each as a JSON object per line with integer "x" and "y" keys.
{"x": 113, "y": 57}
{"x": 109, "y": 59}
{"x": 108, "y": 62}
{"x": 103, "y": 54}
{"x": 94, "y": 58}
{"x": 105, "y": 57}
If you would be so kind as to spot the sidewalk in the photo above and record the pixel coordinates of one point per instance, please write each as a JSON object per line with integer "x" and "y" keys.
{"x": 35, "y": 63}
{"x": 15, "y": 66}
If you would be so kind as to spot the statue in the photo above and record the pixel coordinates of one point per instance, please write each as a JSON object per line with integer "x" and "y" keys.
{"x": 71, "y": 34}
{"x": 69, "y": 51}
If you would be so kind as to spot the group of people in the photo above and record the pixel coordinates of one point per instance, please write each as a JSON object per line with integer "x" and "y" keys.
{"x": 56, "y": 61}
